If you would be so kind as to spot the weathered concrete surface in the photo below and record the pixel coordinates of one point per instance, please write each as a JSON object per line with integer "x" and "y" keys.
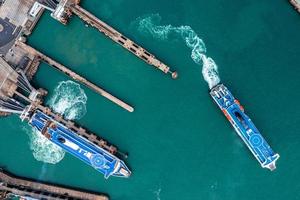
{"x": 14, "y": 20}
{"x": 8, "y": 80}
{"x": 25, "y": 187}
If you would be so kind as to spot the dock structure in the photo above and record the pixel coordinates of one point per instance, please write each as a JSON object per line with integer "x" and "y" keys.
{"x": 19, "y": 97}
{"x": 64, "y": 10}
{"x": 12, "y": 82}
{"x": 18, "y": 64}
{"x": 74, "y": 75}
{"x": 121, "y": 40}
{"x": 16, "y": 18}
{"x": 11, "y": 185}
{"x": 8, "y": 80}
{"x": 296, "y": 4}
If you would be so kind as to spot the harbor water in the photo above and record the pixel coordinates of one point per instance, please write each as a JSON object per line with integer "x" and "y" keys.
{"x": 180, "y": 145}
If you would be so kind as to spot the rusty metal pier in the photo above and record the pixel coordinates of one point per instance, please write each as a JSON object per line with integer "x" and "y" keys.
{"x": 74, "y": 76}
{"x": 17, "y": 186}
{"x": 64, "y": 10}
{"x": 18, "y": 64}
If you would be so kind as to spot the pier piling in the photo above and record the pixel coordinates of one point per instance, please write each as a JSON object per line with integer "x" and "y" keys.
{"x": 10, "y": 184}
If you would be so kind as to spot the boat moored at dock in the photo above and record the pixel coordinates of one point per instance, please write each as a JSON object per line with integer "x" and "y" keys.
{"x": 90, "y": 153}
{"x": 244, "y": 127}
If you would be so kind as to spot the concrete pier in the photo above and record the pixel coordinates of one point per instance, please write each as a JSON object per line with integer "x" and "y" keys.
{"x": 12, "y": 185}
{"x": 74, "y": 76}
{"x": 15, "y": 19}
{"x": 18, "y": 64}
{"x": 121, "y": 39}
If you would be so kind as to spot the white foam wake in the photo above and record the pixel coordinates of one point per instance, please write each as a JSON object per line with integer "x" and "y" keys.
{"x": 157, "y": 194}
{"x": 43, "y": 171}
{"x": 149, "y": 25}
{"x": 70, "y": 101}
{"x": 42, "y": 149}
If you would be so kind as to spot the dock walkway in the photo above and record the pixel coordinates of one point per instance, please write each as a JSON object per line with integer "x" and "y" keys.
{"x": 121, "y": 39}
{"x": 75, "y": 76}
{"x": 11, "y": 184}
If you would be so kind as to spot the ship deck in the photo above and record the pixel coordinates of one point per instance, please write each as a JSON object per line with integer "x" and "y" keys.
{"x": 97, "y": 157}
{"x": 244, "y": 126}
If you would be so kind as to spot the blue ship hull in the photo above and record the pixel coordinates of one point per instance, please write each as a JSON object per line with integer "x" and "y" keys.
{"x": 91, "y": 154}
{"x": 244, "y": 127}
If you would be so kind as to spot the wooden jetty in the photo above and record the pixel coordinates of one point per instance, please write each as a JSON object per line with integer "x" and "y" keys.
{"x": 23, "y": 187}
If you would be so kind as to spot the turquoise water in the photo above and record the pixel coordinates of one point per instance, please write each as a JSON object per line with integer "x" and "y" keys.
{"x": 180, "y": 145}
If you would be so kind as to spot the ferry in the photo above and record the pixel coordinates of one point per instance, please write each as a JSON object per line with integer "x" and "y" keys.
{"x": 93, "y": 155}
{"x": 244, "y": 127}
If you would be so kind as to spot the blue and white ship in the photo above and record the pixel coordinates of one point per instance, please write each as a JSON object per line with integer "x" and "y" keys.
{"x": 244, "y": 127}
{"x": 93, "y": 155}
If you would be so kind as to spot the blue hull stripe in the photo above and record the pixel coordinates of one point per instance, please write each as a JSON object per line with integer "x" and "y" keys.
{"x": 91, "y": 154}
{"x": 244, "y": 127}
